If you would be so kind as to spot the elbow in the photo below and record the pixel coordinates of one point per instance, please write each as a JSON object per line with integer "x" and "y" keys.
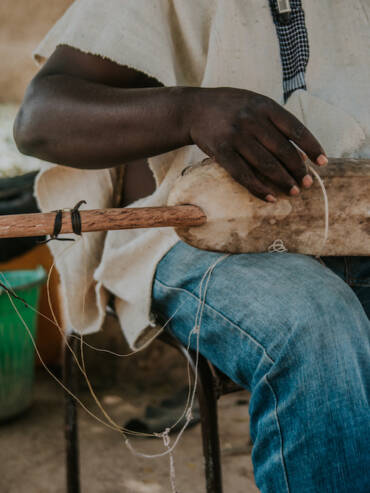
{"x": 23, "y": 134}
{"x": 27, "y": 130}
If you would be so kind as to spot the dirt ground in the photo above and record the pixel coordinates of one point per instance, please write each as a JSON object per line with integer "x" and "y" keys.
{"x": 32, "y": 448}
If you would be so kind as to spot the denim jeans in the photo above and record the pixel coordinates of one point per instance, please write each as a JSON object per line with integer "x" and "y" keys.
{"x": 294, "y": 333}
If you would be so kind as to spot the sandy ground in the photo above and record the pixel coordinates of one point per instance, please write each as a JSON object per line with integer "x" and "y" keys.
{"x": 32, "y": 448}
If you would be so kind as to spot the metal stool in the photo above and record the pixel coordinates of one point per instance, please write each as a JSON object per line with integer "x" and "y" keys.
{"x": 212, "y": 384}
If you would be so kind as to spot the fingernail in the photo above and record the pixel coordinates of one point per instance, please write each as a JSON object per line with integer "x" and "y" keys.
{"x": 270, "y": 198}
{"x": 307, "y": 181}
{"x": 294, "y": 190}
{"x": 322, "y": 160}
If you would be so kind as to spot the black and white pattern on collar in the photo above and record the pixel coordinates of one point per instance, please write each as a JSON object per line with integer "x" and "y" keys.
{"x": 294, "y": 48}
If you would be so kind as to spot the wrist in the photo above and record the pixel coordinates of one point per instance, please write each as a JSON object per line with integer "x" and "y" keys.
{"x": 188, "y": 105}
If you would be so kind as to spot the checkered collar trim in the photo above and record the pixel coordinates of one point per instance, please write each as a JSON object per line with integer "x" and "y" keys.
{"x": 293, "y": 40}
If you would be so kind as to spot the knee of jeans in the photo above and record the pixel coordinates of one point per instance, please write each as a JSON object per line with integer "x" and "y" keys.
{"x": 326, "y": 351}
{"x": 330, "y": 319}
{"x": 326, "y": 297}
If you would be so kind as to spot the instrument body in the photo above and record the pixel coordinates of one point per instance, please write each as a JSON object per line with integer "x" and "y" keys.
{"x": 238, "y": 222}
{"x": 211, "y": 211}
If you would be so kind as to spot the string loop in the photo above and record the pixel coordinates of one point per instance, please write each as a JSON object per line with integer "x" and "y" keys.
{"x": 58, "y": 223}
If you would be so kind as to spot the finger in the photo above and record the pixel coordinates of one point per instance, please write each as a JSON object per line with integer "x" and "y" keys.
{"x": 285, "y": 152}
{"x": 267, "y": 165}
{"x": 307, "y": 180}
{"x": 236, "y": 166}
{"x": 290, "y": 126}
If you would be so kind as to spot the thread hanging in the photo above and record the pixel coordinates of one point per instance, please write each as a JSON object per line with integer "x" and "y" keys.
{"x": 166, "y": 442}
{"x": 109, "y": 422}
{"x": 190, "y": 404}
{"x": 277, "y": 246}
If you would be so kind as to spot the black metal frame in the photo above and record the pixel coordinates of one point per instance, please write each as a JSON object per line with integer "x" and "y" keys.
{"x": 212, "y": 385}
{"x": 70, "y": 381}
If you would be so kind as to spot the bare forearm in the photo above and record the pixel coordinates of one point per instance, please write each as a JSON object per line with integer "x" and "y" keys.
{"x": 80, "y": 122}
{"x": 88, "y": 125}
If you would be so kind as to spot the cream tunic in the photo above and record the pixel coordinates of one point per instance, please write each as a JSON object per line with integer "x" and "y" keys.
{"x": 200, "y": 43}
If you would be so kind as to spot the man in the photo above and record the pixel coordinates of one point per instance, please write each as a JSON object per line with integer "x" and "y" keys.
{"x": 174, "y": 81}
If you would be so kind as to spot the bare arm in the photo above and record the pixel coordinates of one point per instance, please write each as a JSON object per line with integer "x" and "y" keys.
{"x": 88, "y": 112}
{"x": 85, "y": 111}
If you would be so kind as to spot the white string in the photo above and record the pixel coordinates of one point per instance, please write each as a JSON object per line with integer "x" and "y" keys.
{"x": 326, "y": 203}
{"x": 111, "y": 423}
{"x": 90, "y": 413}
{"x": 191, "y": 394}
{"x": 166, "y": 443}
{"x": 277, "y": 246}
{"x": 195, "y": 330}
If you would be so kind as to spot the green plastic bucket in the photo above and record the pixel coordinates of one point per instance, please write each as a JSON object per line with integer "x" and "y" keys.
{"x": 17, "y": 353}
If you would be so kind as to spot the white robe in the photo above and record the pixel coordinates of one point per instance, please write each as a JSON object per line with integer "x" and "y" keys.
{"x": 205, "y": 43}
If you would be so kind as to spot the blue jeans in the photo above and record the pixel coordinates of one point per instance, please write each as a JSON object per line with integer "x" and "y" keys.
{"x": 297, "y": 336}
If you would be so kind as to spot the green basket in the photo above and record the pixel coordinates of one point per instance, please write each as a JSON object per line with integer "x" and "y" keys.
{"x": 17, "y": 353}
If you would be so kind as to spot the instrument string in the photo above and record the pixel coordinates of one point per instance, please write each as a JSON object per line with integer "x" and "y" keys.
{"x": 111, "y": 424}
{"x": 277, "y": 246}
{"x": 326, "y": 204}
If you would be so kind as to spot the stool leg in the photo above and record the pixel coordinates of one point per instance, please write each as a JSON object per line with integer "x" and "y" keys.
{"x": 208, "y": 412}
{"x": 70, "y": 417}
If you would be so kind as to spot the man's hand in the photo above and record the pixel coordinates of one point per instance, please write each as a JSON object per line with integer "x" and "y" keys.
{"x": 250, "y": 136}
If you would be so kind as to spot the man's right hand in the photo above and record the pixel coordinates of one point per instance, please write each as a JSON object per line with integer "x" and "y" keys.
{"x": 251, "y": 137}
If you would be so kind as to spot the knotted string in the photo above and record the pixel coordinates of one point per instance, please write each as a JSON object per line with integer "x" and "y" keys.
{"x": 58, "y": 223}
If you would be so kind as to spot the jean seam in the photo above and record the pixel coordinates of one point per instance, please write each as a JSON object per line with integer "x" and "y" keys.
{"x": 223, "y": 317}
{"x": 347, "y": 269}
{"x": 280, "y": 433}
